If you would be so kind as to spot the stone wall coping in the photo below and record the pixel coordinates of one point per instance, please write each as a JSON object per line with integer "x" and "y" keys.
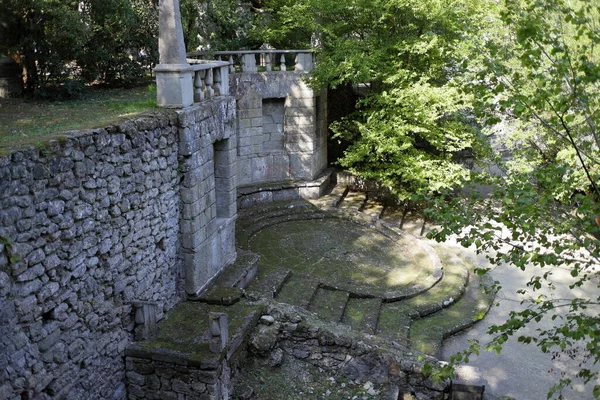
{"x": 199, "y": 65}
{"x": 163, "y": 118}
{"x": 173, "y": 68}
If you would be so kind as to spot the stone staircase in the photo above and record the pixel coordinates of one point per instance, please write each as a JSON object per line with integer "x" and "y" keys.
{"x": 443, "y": 302}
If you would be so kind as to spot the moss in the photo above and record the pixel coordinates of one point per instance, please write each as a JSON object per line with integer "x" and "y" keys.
{"x": 362, "y": 314}
{"x": 426, "y": 334}
{"x": 329, "y": 304}
{"x": 223, "y": 295}
{"x": 340, "y": 253}
{"x": 298, "y": 380}
{"x": 186, "y": 328}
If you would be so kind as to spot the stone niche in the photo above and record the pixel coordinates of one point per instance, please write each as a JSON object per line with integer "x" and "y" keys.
{"x": 281, "y": 128}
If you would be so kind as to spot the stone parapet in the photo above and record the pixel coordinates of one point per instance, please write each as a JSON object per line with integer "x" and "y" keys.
{"x": 182, "y": 362}
{"x": 281, "y": 127}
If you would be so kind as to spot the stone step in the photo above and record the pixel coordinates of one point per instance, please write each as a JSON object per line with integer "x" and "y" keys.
{"x": 427, "y": 334}
{"x": 394, "y": 322}
{"x": 247, "y": 228}
{"x": 373, "y": 209}
{"x": 329, "y": 304}
{"x": 298, "y": 291}
{"x": 396, "y": 318}
{"x": 184, "y": 337}
{"x": 242, "y": 272}
{"x": 252, "y": 215}
{"x": 362, "y": 314}
{"x": 332, "y": 199}
{"x": 353, "y": 201}
{"x": 447, "y": 291}
{"x": 406, "y": 219}
{"x": 269, "y": 285}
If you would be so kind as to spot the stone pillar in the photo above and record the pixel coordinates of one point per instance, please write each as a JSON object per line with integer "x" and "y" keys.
{"x": 174, "y": 76}
{"x": 145, "y": 319}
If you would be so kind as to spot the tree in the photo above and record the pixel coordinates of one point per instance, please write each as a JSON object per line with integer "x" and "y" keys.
{"x": 438, "y": 74}
{"x": 45, "y": 36}
{"x": 122, "y": 41}
{"x": 218, "y": 24}
{"x": 64, "y": 44}
{"x": 413, "y": 120}
{"x": 542, "y": 69}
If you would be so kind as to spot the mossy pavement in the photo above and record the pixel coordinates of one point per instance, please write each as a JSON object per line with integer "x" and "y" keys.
{"x": 347, "y": 265}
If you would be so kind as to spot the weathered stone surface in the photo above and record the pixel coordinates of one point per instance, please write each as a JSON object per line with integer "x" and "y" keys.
{"x": 126, "y": 213}
{"x": 62, "y": 321}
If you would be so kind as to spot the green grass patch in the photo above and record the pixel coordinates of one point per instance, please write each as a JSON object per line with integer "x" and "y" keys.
{"x": 24, "y": 123}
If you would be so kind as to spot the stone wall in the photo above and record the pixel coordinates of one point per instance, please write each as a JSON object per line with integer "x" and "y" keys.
{"x": 156, "y": 380}
{"x": 88, "y": 226}
{"x": 98, "y": 223}
{"x": 134, "y": 215}
{"x": 294, "y": 332}
{"x": 299, "y": 153}
{"x": 208, "y": 166}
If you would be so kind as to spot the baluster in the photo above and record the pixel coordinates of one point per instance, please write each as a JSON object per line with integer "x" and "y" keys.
{"x": 219, "y": 58}
{"x": 198, "y": 86}
{"x": 231, "y": 66}
{"x": 304, "y": 62}
{"x": 217, "y": 85}
{"x": 210, "y": 92}
{"x": 282, "y": 63}
{"x": 249, "y": 63}
{"x": 224, "y": 81}
{"x": 268, "y": 62}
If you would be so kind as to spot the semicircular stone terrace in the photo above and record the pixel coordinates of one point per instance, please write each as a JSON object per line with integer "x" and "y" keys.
{"x": 344, "y": 255}
{"x": 348, "y": 267}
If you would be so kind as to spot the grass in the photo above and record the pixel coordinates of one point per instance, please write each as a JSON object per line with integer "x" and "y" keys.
{"x": 24, "y": 124}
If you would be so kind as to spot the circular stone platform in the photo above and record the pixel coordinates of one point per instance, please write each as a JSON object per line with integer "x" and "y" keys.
{"x": 347, "y": 256}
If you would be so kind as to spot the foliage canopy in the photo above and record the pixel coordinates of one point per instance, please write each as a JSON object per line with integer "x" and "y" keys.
{"x": 63, "y": 44}
{"x": 438, "y": 76}
{"x": 541, "y": 71}
{"x": 413, "y": 120}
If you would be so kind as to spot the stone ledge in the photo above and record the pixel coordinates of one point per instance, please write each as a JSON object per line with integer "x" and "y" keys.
{"x": 341, "y": 351}
{"x": 253, "y": 220}
{"x": 281, "y": 191}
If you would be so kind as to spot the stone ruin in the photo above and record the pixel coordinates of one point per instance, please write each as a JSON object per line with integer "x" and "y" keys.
{"x": 105, "y": 234}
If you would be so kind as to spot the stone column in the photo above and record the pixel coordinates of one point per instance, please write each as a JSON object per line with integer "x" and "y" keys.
{"x": 174, "y": 76}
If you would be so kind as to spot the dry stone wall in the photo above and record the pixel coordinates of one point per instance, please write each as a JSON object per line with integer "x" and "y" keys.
{"x": 88, "y": 226}
{"x": 292, "y": 332}
{"x": 101, "y": 223}
{"x": 103, "y": 232}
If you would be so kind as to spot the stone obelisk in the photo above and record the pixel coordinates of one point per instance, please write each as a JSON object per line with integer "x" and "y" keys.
{"x": 174, "y": 76}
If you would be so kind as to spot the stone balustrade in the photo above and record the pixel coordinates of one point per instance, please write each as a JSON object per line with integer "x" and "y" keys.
{"x": 211, "y": 79}
{"x": 263, "y": 60}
